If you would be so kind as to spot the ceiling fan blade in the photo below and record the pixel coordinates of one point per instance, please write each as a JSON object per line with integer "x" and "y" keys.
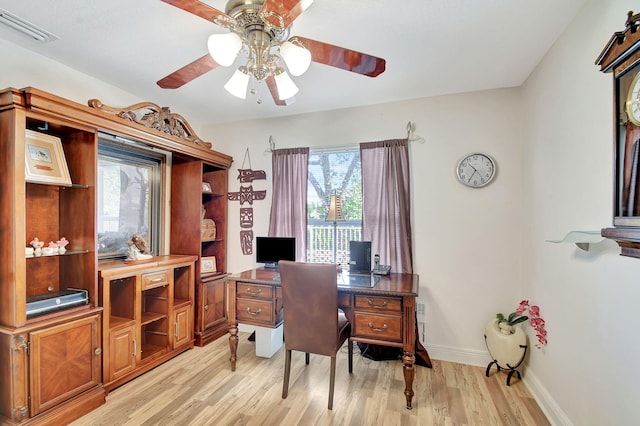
{"x": 288, "y": 10}
{"x": 346, "y": 59}
{"x": 187, "y": 73}
{"x": 271, "y": 83}
{"x": 199, "y": 9}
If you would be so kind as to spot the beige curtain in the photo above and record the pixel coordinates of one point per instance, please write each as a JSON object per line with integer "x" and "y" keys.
{"x": 386, "y": 204}
{"x": 289, "y": 201}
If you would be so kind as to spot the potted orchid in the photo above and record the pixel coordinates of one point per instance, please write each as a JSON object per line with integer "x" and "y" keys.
{"x": 507, "y": 323}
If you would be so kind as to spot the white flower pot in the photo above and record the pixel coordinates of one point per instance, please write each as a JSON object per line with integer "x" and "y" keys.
{"x": 506, "y": 350}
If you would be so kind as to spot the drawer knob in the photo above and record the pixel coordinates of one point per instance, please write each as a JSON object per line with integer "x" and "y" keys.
{"x": 254, "y": 313}
{"x": 206, "y": 307}
{"x": 255, "y": 293}
{"x": 384, "y": 304}
{"x": 384, "y": 327}
{"x": 156, "y": 280}
{"x": 98, "y": 351}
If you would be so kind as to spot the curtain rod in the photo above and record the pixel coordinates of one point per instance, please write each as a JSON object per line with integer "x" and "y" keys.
{"x": 411, "y": 137}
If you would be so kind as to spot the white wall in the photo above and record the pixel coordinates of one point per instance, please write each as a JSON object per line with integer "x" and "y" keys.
{"x": 480, "y": 251}
{"x": 588, "y": 367}
{"x": 21, "y": 68}
{"x": 466, "y": 241}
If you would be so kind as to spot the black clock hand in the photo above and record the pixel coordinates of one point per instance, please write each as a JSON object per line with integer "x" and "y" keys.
{"x": 474, "y": 172}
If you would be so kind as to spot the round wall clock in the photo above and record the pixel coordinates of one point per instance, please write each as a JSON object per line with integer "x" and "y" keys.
{"x": 633, "y": 101}
{"x": 476, "y": 170}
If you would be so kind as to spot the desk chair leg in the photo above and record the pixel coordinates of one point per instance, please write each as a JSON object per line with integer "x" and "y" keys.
{"x": 287, "y": 373}
{"x": 350, "y": 343}
{"x": 306, "y": 358}
{"x": 332, "y": 381}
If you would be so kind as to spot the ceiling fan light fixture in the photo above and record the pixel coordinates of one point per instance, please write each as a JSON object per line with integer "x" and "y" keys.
{"x": 238, "y": 83}
{"x": 296, "y": 57}
{"x": 224, "y": 48}
{"x": 286, "y": 87}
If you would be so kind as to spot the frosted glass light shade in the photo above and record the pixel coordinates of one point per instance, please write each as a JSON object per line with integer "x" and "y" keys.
{"x": 286, "y": 86}
{"x": 296, "y": 57}
{"x": 224, "y": 48}
{"x": 238, "y": 83}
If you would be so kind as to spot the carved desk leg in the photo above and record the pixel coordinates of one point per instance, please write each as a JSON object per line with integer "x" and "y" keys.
{"x": 233, "y": 323}
{"x": 409, "y": 371}
{"x": 409, "y": 340}
{"x": 233, "y": 345}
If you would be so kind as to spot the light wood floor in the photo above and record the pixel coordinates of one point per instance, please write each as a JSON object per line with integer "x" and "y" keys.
{"x": 198, "y": 388}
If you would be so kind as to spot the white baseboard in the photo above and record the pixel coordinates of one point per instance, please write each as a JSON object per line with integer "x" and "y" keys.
{"x": 548, "y": 405}
{"x": 461, "y": 356}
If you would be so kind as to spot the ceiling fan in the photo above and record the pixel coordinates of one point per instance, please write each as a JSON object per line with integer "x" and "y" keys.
{"x": 261, "y": 28}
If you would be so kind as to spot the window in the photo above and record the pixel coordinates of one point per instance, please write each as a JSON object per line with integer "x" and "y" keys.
{"x": 333, "y": 171}
{"x": 130, "y": 185}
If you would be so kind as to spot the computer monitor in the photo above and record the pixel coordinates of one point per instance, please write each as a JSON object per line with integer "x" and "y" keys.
{"x": 271, "y": 250}
{"x": 360, "y": 256}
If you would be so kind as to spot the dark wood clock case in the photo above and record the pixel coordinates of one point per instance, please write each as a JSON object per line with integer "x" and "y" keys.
{"x": 621, "y": 56}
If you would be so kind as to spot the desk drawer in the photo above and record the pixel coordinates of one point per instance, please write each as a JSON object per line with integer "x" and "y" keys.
{"x": 383, "y": 327}
{"x": 255, "y": 311}
{"x": 254, "y": 291}
{"x": 377, "y": 304}
{"x": 155, "y": 279}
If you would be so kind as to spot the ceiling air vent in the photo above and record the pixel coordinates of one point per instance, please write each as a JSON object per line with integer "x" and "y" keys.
{"x": 25, "y": 28}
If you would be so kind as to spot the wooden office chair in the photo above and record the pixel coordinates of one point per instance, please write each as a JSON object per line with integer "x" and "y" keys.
{"x": 312, "y": 322}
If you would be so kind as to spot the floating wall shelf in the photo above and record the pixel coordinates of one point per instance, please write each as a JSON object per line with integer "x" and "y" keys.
{"x": 581, "y": 238}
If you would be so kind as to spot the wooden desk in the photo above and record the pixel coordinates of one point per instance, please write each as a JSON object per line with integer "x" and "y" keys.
{"x": 382, "y": 315}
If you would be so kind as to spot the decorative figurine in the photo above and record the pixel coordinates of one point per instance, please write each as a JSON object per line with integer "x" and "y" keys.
{"x": 138, "y": 248}
{"x": 62, "y": 244}
{"x": 37, "y": 245}
{"x": 50, "y": 249}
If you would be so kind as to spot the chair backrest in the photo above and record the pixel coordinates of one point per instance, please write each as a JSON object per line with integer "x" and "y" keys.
{"x": 310, "y": 301}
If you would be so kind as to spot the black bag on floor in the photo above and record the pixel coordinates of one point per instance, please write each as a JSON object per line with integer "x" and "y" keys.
{"x": 379, "y": 352}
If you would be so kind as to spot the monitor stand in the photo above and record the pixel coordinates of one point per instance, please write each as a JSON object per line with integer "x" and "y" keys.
{"x": 271, "y": 265}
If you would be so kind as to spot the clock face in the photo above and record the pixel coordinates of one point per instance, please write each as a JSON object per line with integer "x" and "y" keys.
{"x": 476, "y": 170}
{"x": 633, "y": 101}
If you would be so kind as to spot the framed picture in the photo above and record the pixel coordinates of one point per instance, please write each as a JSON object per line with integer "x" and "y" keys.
{"x": 208, "y": 265}
{"x": 44, "y": 160}
{"x": 206, "y": 187}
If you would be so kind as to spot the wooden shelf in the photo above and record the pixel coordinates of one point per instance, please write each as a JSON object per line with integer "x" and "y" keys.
{"x": 149, "y": 317}
{"x": 179, "y": 303}
{"x": 117, "y": 322}
{"x": 148, "y": 351}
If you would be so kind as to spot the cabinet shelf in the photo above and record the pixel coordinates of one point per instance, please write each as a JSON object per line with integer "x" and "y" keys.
{"x": 117, "y": 322}
{"x": 216, "y": 240}
{"x": 212, "y": 194}
{"x": 149, "y": 350}
{"x": 149, "y": 317}
{"x": 67, "y": 253}
{"x": 179, "y": 303}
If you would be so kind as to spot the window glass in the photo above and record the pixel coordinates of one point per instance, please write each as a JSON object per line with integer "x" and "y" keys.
{"x": 129, "y": 197}
{"x": 333, "y": 172}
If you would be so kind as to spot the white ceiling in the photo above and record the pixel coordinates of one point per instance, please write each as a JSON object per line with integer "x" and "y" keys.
{"x": 432, "y": 47}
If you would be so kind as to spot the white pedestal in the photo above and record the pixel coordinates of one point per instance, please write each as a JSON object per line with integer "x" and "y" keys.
{"x": 268, "y": 340}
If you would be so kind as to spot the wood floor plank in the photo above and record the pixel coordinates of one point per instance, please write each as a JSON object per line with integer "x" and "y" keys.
{"x": 198, "y": 388}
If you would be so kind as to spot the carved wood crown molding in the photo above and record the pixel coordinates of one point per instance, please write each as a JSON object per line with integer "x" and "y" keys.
{"x": 154, "y": 117}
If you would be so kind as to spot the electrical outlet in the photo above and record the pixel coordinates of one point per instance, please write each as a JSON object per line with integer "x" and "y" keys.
{"x": 420, "y": 312}
{"x": 421, "y": 331}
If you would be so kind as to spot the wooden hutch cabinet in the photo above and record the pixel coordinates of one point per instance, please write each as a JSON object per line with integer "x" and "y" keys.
{"x": 54, "y": 365}
{"x": 195, "y": 203}
{"x": 148, "y": 314}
